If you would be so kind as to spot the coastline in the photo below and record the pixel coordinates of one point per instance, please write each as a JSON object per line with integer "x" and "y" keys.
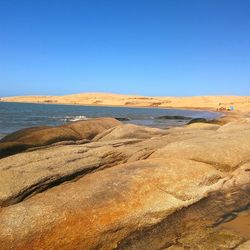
{"x": 211, "y": 109}
{"x": 196, "y": 103}
{"x": 226, "y": 116}
{"x": 211, "y": 103}
{"x": 176, "y": 187}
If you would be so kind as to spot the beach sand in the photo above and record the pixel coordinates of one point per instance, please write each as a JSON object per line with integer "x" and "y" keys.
{"x": 240, "y": 103}
{"x": 240, "y": 224}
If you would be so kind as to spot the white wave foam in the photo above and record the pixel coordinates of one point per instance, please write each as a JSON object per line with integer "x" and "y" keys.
{"x": 74, "y": 118}
{"x": 2, "y": 136}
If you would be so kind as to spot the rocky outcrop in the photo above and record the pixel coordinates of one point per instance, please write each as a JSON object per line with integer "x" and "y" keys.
{"x": 225, "y": 151}
{"x": 42, "y": 136}
{"x": 244, "y": 246}
{"x": 130, "y": 187}
{"x": 129, "y": 131}
{"x": 100, "y": 210}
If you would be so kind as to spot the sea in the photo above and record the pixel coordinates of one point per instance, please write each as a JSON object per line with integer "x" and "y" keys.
{"x": 15, "y": 116}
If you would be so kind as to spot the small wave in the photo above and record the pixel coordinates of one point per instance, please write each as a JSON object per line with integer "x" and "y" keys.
{"x": 74, "y": 118}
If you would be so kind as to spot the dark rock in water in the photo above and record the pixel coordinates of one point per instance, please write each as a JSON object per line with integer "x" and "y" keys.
{"x": 173, "y": 117}
{"x": 42, "y": 136}
{"x": 122, "y": 119}
{"x": 196, "y": 120}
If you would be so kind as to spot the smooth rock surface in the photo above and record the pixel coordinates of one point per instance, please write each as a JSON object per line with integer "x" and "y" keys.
{"x": 41, "y": 136}
{"x": 225, "y": 151}
{"x": 244, "y": 246}
{"x": 128, "y": 187}
{"x": 129, "y": 131}
{"x": 100, "y": 209}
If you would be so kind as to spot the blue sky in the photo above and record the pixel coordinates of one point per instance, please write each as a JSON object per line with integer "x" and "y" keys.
{"x": 147, "y": 47}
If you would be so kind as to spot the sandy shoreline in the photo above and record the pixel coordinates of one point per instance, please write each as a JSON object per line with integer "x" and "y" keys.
{"x": 241, "y": 104}
{"x": 211, "y": 109}
{"x": 211, "y": 103}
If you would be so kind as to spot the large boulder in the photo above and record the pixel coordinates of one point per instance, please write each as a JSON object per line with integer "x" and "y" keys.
{"x": 129, "y": 131}
{"x": 105, "y": 207}
{"x": 235, "y": 126}
{"x": 146, "y": 204}
{"x": 225, "y": 151}
{"x": 90, "y": 128}
{"x": 42, "y": 136}
{"x": 131, "y": 187}
{"x": 24, "y": 175}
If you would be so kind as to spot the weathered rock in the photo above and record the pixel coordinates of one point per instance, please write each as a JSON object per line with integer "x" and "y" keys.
{"x": 235, "y": 126}
{"x": 244, "y": 246}
{"x": 103, "y": 208}
{"x": 26, "y": 174}
{"x": 225, "y": 151}
{"x": 15, "y": 136}
{"x": 203, "y": 126}
{"x": 131, "y": 187}
{"x": 41, "y": 136}
{"x": 129, "y": 131}
{"x": 104, "y": 211}
{"x": 31, "y": 172}
{"x": 90, "y": 128}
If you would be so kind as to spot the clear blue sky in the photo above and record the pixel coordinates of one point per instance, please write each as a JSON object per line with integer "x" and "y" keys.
{"x": 147, "y": 47}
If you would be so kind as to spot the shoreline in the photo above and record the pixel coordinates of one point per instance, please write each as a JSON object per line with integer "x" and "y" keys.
{"x": 172, "y": 177}
{"x": 119, "y": 100}
{"x": 211, "y": 109}
{"x": 154, "y": 112}
{"x": 241, "y": 104}
{"x": 223, "y": 116}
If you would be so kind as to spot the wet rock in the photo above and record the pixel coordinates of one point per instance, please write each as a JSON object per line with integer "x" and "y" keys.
{"x": 173, "y": 117}
{"x": 122, "y": 119}
{"x": 195, "y": 120}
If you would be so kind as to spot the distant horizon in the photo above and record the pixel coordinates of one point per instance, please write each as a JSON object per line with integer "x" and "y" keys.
{"x": 133, "y": 94}
{"x": 151, "y": 48}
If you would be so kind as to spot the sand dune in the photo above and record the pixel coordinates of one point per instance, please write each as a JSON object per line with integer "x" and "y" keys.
{"x": 240, "y": 103}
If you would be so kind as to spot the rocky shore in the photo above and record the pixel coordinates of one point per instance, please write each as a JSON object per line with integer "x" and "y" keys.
{"x": 100, "y": 184}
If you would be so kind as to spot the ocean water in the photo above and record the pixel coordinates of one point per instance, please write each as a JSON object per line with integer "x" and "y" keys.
{"x": 15, "y": 116}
